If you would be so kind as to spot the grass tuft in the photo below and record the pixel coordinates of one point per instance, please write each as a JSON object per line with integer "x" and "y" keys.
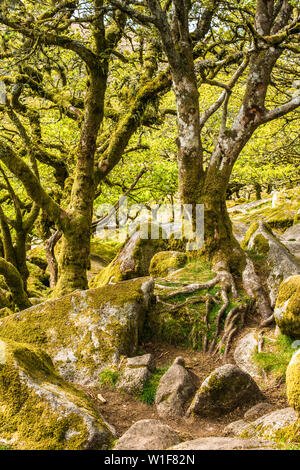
{"x": 109, "y": 378}
{"x": 277, "y": 358}
{"x": 147, "y": 395}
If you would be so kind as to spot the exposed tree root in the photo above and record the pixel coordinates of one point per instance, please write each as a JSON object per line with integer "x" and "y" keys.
{"x": 253, "y": 287}
{"x": 191, "y": 288}
{"x": 225, "y": 326}
{"x": 225, "y": 299}
{"x": 190, "y": 301}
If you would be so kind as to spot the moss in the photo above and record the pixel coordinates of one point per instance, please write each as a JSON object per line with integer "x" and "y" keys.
{"x": 290, "y": 435}
{"x": 276, "y": 356}
{"x": 109, "y": 378}
{"x": 26, "y": 416}
{"x": 5, "y": 312}
{"x": 186, "y": 326}
{"x": 165, "y": 262}
{"x": 280, "y": 217}
{"x": 38, "y": 257}
{"x": 261, "y": 245}
{"x": 148, "y": 393}
{"x": 293, "y": 382}
{"x": 38, "y": 281}
{"x": 110, "y": 273}
{"x": 252, "y": 229}
{"x": 106, "y": 251}
{"x": 287, "y": 309}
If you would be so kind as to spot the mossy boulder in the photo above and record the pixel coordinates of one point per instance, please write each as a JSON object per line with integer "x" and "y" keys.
{"x": 166, "y": 262}
{"x": 86, "y": 331}
{"x": 39, "y": 410}
{"x": 104, "y": 250}
{"x": 277, "y": 258}
{"x": 287, "y": 309}
{"x": 134, "y": 258}
{"x": 293, "y": 233}
{"x": 293, "y": 381}
{"x": 279, "y": 425}
{"x": 226, "y": 388}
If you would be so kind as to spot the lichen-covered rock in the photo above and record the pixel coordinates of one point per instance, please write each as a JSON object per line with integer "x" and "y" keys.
{"x": 293, "y": 381}
{"x": 279, "y": 261}
{"x": 258, "y": 410}
{"x": 243, "y": 354}
{"x": 86, "y": 331}
{"x": 148, "y": 434}
{"x": 225, "y": 443}
{"x": 292, "y": 233}
{"x": 166, "y": 262}
{"x": 174, "y": 390}
{"x": 236, "y": 428}
{"x": 39, "y": 410}
{"x": 272, "y": 425}
{"x": 223, "y": 390}
{"x": 134, "y": 258}
{"x": 287, "y": 309}
{"x": 136, "y": 372}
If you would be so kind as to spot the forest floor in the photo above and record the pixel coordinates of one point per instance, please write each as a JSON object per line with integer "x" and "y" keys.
{"x": 122, "y": 410}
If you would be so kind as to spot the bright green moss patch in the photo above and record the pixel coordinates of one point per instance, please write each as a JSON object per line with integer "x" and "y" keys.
{"x": 109, "y": 378}
{"x": 287, "y": 309}
{"x": 252, "y": 229}
{"x": 293, "y": 383}
{"x": 261, "y": 245}
{"x": 276, "y": 357}
{"x": 147, "y": 395}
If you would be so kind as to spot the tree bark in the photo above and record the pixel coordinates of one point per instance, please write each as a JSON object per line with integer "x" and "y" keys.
{"x": 15, "y": 283}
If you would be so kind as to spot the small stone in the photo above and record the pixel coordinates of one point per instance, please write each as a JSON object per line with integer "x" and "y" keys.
{"x": 147, "y": 360}
{"x": 101, "y": 398}
{"x": 236, "y": 428}
{"x": 258, "y": 410}
{"x": 148, "y": 434}
{"x": 133, "y": 379}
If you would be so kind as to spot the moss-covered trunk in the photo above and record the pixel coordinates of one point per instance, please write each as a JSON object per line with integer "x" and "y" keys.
{"x": 15, "y": 284}
{"x": 220, "y": 245}
{"x": 75, "y": 250}
{"x": 73, "y": 260}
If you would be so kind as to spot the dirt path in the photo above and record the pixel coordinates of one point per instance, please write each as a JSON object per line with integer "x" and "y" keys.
{"x": 122, "y": 410}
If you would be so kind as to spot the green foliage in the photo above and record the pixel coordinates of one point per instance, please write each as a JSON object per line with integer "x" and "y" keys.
{"x": 147, "y": 395}
{"x": 109, "y": 378}
{"x": 278, "y": 356}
